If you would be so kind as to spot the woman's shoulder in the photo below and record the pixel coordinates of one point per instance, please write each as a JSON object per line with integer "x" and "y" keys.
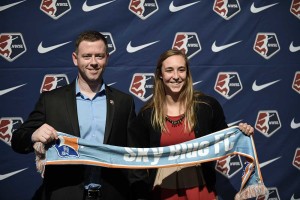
{"x": 205, "y": 98}
{"x": 146, "y": 111}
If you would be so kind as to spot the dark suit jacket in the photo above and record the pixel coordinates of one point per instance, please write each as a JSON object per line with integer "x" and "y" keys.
{"x": 58, "y": 109}
{"x": 210, "y": 118}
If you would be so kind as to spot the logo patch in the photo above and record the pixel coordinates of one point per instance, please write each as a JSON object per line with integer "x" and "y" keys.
{"x": 296, "y": 82}
{"x": 296, "y": 160}
{"x": 227, "y": 8}
{"x": 142, "y": 85}
{"x": 53, "y": 81}
{"x": 110, "y": 42}
{"x": 55, "y": 8}
{"x": 228, "y": 84}
{"x": 67, "y": 147}
{"x": 267, "y": 122}
{"x": 7, "y": 126}
{"x": 12, "y": 46}
{"x": 272, "y": 194}
{"x": 143, "y": 8}
{"x": 229, "y": 165}
{"x": 295, "y": 8}
{"x": 187, "y": 42}
{"x": 266, "y": 45}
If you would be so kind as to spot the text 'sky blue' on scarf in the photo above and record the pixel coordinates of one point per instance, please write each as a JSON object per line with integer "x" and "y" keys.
{"x": 73, "y": 150}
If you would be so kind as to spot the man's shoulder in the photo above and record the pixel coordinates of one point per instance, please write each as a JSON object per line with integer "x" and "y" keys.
{"x": 114, "y": 91}
{"x": 60, "y": 90}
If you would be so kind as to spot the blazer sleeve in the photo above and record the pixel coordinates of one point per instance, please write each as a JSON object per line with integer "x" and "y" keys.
{"x": 21, "y": 138}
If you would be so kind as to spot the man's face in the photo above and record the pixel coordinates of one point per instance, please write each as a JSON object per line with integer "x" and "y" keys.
{"x": 91, "y": 61}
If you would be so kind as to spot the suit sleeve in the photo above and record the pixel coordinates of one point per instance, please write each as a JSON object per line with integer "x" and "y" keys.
{"x": 21, "y": 138}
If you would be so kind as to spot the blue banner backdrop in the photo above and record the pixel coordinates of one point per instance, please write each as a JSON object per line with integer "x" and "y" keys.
{"x": 246, "y": 53}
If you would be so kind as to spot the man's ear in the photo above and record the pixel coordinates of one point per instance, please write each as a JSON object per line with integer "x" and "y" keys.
{"x": 74, "y": 58}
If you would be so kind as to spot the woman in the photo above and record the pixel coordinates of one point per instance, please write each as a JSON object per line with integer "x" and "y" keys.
{"x": 176, "y": 113}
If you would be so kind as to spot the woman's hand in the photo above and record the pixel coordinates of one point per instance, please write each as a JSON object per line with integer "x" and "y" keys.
{"x": 246, "y": 128}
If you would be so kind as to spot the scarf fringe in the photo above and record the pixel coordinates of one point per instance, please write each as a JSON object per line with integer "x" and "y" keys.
{"x": 252, "y": 191}
{"x": 40, "y": 159}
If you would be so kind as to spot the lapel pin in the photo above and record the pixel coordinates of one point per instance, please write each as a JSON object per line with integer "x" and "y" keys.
{"x": 111, "y": 102}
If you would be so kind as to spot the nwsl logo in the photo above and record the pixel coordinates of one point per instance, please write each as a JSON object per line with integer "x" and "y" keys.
{"x": 228, "y": 84}
{"x": 8, "y": 126}
{"x": 267, "y": 122}
{"x": 11, "y": 46}
{"x": 110, "y": 42}
{"x": 266, "y": 45}
{"x": 141, "y": 85}
{"x": 55, "y": 8}
{"x": 53, "y": 81}
{"x": 187, "y": 42}
{"x": 229, "y": 165}
{"x": 226, "y": 8}
{"x": 296, "y": 82}
{"x": 143, "y": 8}
{"x": 296, "y": 160}
{"x": 67, "y": 147}
{"x": 295, "y": 8}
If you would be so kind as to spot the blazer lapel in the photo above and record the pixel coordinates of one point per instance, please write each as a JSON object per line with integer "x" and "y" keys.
{"x": 70, "y": 101}
{"x": 110, "y": 113}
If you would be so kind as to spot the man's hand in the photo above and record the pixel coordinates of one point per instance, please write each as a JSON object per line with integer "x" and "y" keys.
{"x": 246, "y": 128}
{"x": 44, "y": 134}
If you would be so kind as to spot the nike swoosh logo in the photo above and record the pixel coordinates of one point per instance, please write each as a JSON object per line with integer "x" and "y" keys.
{"x": 2, "y": 92}
{"x": 87, "y": 8}
{"x": 294, "y": 125}
{"x": 294, "y": 48}
{"x": 233, "y": 123}
{"x": 110, "y": 84}
{"x": 216, "y": 48}
{"x": 261, "y": 165}
{"x": 5, "y": 176}
{"x": 9, "y": 5}
{"x": 195, "y": 83}
{"x": 42, "y": 49}
{"x": 256, "y": 87}
{"x": 131, "y": 49}
{"x": 292, "y": 198}
{"x": 254, "y": 9}
{"x": 173, "y": 8}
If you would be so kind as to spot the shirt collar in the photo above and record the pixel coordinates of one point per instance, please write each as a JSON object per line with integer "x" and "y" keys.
{"x": 99, "y": 93}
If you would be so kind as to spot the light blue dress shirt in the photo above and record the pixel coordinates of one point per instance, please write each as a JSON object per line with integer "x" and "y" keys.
{"x": 91, "y": 114}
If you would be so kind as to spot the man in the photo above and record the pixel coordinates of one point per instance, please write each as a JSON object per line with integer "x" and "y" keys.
{"x": 86, "y": 108}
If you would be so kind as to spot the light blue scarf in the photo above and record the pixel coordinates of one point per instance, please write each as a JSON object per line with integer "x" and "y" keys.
{"x": 73, "y": 150}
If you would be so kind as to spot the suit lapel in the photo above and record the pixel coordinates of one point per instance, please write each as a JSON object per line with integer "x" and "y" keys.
{"x": 110, "y": 103}
{"x": 70, "y": 101}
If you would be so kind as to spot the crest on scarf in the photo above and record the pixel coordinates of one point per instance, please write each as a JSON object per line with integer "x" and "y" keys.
{"x": 67, "y": 147}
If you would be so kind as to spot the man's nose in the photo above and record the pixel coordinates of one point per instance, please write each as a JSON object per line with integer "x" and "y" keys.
{"x": 94, "y": 61}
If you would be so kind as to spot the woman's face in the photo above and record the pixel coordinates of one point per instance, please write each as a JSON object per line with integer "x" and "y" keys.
{"x": 174, "y": 74}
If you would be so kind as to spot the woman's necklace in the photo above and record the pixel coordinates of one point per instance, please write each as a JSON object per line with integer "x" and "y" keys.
{"x": 176, "y": 122}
